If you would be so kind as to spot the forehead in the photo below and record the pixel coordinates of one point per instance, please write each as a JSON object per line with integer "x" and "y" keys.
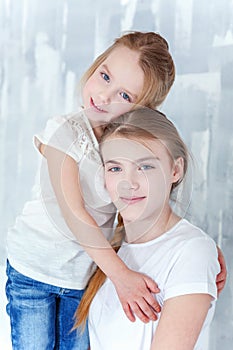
{"x": 123, "y": 64}
{"x": 114, "y": 148}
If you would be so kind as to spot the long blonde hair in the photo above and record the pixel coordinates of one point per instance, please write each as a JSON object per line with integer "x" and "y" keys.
{"x": 140, "y": 124}
{"x": 155, "y": 61}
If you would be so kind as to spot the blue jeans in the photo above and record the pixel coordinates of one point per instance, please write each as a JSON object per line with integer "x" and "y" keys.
{"x": 41, "y": 315}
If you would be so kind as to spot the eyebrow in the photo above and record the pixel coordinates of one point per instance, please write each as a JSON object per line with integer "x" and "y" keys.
{"x": 140, "y": 160}
{"x": 128, "y": 92}
{"x": 106, "y": 68}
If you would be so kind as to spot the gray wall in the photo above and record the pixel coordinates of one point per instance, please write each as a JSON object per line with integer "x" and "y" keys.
{"x": 45, "y": 46}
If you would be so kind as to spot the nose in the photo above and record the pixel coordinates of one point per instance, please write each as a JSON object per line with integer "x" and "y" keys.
{"x": 128, "y": 186}
{"x": 105, "y": 96}
{"x": 130, "y": 181}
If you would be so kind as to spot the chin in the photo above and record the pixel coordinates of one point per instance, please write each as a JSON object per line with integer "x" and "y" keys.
{"x": 130, "y": 218}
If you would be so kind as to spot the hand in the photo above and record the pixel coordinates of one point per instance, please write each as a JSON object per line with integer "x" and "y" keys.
{"x": 135, "y": 293}
{"x": 222, "y": 276}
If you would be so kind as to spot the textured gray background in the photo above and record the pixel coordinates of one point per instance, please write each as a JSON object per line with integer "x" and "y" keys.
{"x": 45, "y": 46}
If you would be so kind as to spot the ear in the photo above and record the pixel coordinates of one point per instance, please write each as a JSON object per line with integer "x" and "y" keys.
{"x": 178, "y": 170}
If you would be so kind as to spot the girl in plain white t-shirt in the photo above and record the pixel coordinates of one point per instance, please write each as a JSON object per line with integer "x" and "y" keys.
{"x": 145, "y": 160}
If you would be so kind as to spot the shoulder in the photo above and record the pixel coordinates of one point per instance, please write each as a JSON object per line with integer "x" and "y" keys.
{"x": 82, "y": 131}
{"x": 193, "y": 246}
{"x": 192, "y": 233}
{"x": 71, "y": 134}
{"x": 194, "y": 266}
{"x": 76, "y": 122}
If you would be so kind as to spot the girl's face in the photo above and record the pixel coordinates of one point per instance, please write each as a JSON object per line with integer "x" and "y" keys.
{"x": 114, "y": 86}
{"x": 139, "y": 177}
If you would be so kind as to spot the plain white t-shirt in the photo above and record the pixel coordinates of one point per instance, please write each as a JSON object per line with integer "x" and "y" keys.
{"x": 182, "y": 261}
{"x": 40, "y": 245}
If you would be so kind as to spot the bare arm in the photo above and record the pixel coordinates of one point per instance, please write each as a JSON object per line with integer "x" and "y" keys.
{"x": 181, "y": 321}
{"x": 134, "y": 289}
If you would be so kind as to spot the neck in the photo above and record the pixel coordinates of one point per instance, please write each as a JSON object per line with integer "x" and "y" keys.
{"x": 98, "y": 131}
{"x": 97, "y": 126}
{"x": 145, "y": 230}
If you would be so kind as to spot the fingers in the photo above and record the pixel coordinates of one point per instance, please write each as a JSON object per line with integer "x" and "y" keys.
{"x": 145, "y": 316}
{"x": 128, "y": 312}
{"x": 152, "y": 303}
{"x": 150, "y": 300}
{"x": 135, "y": 294}
{"x": 221, "y": 281}
{"x": 221, "y": 277}
{"x": 151, "y": 285}
{"x": 222, "y": 263}
{"x": 143, "y": 310}
{"x": 220, "y": 286}
{"x": 138, "y": 312}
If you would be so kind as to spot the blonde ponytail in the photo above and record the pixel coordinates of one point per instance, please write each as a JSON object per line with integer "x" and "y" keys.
{"x": 96, "y": 281}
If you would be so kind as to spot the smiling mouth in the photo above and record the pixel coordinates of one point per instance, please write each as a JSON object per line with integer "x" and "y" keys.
{"x": 96, "y": 108}
{"x": 132, "y": 200}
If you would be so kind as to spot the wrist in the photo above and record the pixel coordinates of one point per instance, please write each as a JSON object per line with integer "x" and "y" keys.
{"x": 118, "y": 271}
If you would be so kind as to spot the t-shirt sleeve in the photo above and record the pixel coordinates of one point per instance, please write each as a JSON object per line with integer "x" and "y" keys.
{"x": 60, "y": 134}
{"x": 194, "y": 270}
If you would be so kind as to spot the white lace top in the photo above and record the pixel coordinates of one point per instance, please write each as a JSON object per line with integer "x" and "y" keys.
{"x": 40, "y": 245}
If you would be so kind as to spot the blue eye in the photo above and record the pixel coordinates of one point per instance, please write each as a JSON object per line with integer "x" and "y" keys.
{"x": 125, "y": 96}
{"x": 114, "y": 169}
{"x": 146, "y": 167}
{"x": 105, "y": 77}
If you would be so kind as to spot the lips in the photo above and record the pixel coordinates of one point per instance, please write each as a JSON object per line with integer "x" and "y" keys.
{"x": 96, "y": 108}
{"x": 132, "y": 200}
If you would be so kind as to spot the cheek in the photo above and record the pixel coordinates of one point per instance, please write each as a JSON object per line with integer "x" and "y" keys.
{"x": 157, "y": 185}
{"x": 118, "y": 107}
{"x": 111, "y": 186}
{"x": 145, "y": 182}
{"x": 86, "y": 87}
{"x": 163, "y": 187}
{"x": 89, "y": 86}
